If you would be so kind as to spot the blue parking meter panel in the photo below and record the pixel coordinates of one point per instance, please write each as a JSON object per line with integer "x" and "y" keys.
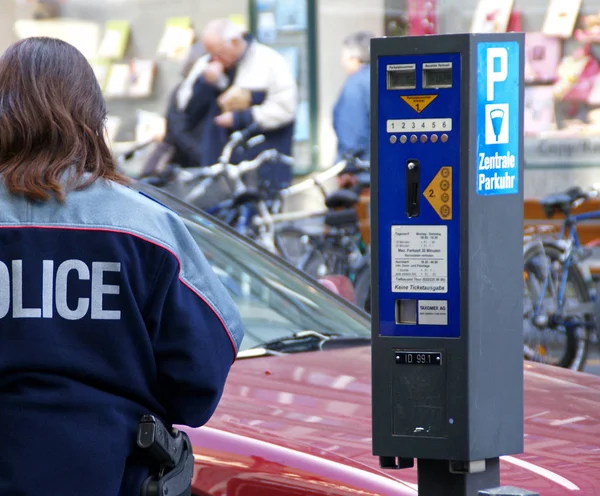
{"x": 419, "y": 214}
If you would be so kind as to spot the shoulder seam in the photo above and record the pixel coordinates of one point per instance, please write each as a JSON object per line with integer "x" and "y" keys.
{"x": 152, "y": 289}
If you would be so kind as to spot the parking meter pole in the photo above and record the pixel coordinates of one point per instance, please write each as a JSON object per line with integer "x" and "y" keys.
{"x": 447, "y": 285}
{"x": 435, "y": 478}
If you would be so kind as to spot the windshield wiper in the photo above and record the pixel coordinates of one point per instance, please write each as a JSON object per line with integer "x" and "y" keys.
{"x": 311, "y": 341}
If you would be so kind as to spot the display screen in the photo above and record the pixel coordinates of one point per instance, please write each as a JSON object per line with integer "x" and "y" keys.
{"x": 403, "y": 79}
{"x": 437, "y": 78}
{"x": 418, "y": 358}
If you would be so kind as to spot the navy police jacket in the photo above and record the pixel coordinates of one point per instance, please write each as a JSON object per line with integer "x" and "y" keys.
{"x": 108, "y": 311}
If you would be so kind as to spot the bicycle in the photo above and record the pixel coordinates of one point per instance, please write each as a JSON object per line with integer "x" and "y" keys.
{"x": 290, "y": 239}
{"x": 553, "y": 271}
{"x": 338, "y": 249}
{"x": 219, "y": 189}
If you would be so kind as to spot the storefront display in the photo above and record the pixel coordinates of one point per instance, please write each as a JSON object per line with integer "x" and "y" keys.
{"x": 136, "y": 49}
{"x": 492, "y": 16}
{"x": 562, "y": 77}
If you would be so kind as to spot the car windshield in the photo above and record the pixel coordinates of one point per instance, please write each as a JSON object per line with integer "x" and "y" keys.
{"x": 275, "y": 300}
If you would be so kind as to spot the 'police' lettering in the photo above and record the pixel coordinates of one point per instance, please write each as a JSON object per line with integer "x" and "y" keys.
{"x": 55, "y": 291}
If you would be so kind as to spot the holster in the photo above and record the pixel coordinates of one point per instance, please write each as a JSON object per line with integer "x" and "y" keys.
{"x": 175, "y": 458}
{"x": 177, "y": 482}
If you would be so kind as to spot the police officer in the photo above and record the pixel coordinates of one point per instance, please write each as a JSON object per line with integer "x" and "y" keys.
{"x": 108, "y": 310}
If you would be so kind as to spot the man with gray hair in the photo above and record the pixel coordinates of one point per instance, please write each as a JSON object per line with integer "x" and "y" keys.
{"x": 240, "y": 82}
{"x": 352, "y": 109}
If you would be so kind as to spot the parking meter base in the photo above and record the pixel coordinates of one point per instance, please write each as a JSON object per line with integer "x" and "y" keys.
{"x": 507, "y": 491}
{"x": 391, "y": 462}
{"x": 436, "y": 479}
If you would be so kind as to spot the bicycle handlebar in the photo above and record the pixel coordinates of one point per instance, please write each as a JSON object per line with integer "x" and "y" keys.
{"x": 314, "y": 181}
{"x": 238, "y": 138}
{"x": 233, "y": 172}
{"x": 327, "y": 174}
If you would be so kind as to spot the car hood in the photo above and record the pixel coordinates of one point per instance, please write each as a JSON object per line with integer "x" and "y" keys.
{"x": 319, "y": 404}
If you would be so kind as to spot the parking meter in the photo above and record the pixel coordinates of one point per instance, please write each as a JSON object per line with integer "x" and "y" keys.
{"x": 447, "y": 284}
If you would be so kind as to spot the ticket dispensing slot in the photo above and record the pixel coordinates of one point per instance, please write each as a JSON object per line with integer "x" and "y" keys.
{"x": 413, "y": 169}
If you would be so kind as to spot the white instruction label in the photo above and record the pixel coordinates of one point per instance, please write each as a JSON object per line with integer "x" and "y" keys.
{"x": 419, "y": 259}
{"x": 433, "y": 312}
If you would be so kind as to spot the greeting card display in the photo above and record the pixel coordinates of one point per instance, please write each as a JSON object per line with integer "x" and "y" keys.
{"x": 515, "y": 22}
{"x": 561, "y": 17}
{"x": 576, "y": 77}
{"x": 115, "y": 40}
{"x": 539, "y": 115}
{"x": 422, "y": 17}
{"x": 111, "y": 129}
{"x": 591, "y": 29}
{"x": 130, "y": 80}
{"x": 177, "y": 38}
{"x": 492, "y": 16}
{"x": 117, "y": 81}
{"x": 83, "y": 35}
{"x": 594, "y": 96}
{"x": 141, "y": 78}
{"x": 101, "y": 70}
{"x": 542, "y": 56}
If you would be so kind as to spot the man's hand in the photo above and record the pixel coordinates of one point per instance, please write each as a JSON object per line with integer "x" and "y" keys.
{"x": 213, "y": 71}
{"x": 224, "y": 120}
{"x": 235, "y": 99}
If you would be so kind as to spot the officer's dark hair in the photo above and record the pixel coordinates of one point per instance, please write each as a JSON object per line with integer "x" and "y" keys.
{"x": 52, "y": 121}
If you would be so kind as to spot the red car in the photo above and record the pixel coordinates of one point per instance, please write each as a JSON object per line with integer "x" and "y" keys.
{"x": 295, "y": 418}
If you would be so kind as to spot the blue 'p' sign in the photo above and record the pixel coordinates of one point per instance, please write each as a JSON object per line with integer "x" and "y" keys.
{"x": 498, "y": 118}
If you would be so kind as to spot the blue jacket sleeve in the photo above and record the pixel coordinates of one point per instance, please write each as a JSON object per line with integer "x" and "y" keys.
{"x": 351, "y": 118}
{"x": 196, "y": 331}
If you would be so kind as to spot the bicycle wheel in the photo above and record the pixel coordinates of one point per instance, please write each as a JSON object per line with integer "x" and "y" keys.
{"x": 324, "y": 259}
{"x": 549, "y": 337}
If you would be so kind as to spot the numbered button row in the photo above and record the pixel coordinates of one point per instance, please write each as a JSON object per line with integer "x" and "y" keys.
{"x": 413, "y": 138}
{"x": 420, "y": 125}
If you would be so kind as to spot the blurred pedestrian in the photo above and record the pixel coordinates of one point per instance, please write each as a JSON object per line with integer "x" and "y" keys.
{"x": 237, "y": 83}
{"x": 351, "y": 113}
{"x": 181, "y": 144}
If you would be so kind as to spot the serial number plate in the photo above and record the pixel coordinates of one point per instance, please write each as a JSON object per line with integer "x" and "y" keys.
{"x": 421, "y": 125}
{"x": 418, "y": 358}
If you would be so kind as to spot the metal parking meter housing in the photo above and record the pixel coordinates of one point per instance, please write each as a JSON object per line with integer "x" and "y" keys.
{"x": 447, "y": 227}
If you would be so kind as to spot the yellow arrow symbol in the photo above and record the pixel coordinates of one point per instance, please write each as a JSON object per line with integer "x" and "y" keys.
{"x": 439, "y": 193}
{"x": 419, "y": 102}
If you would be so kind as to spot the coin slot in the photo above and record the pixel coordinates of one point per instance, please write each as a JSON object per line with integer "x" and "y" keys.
{"x": 413, "y": 186}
